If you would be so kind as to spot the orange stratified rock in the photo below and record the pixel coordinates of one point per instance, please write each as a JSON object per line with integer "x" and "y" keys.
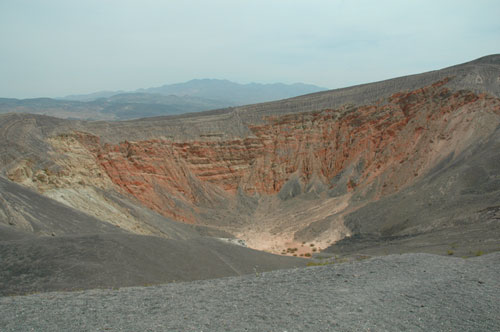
{"x": 390, "y": 142}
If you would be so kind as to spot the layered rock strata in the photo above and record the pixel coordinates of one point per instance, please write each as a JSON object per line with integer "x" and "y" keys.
{"x": 347, "y": 156}
{"x": 391, "y": 142}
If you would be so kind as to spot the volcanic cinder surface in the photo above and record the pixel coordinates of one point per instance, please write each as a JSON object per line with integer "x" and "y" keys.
{"x": 405, "y": 165}
{"x": 410, "y": 292}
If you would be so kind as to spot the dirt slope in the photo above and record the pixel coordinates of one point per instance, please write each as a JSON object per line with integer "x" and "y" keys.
{"x": 47, "y": 246}
{"x": 454, "y": 209}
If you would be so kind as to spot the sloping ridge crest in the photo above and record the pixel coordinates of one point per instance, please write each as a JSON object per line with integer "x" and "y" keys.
{"x": 487, "y": 68}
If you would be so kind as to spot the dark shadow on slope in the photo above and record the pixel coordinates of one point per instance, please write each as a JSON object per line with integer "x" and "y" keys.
{"x": 117, "y": 260}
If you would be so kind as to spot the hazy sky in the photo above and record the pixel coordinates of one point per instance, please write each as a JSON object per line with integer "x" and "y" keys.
{"x": 58, "y": 47}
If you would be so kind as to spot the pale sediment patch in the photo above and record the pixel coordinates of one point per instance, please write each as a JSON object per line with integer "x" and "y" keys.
{"x": 90, "y": 201}
{"x": 275, "y": 223}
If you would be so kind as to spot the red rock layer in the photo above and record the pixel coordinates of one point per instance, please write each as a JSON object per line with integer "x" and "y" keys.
{"x": 393, "y": 137}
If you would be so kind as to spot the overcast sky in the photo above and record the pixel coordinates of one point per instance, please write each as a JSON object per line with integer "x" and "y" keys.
{"x": 58, "y": 47}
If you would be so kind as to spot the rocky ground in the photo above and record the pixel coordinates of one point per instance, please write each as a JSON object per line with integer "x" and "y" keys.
{"x": 410, "y": 292}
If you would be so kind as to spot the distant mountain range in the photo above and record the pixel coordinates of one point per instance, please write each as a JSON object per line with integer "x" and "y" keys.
{"x": 224, "y": 91}
{"x": 192, "y": 96}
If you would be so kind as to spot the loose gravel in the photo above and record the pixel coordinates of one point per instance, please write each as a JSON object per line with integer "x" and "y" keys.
{"x": 410, "y": 292}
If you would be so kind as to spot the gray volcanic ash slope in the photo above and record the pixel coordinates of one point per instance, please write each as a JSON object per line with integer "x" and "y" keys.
{"x": 47, "y": 246}
{"x": 117, "y": 260}
{"x": 454, "y": 209}
{"x": 411, "y": 292}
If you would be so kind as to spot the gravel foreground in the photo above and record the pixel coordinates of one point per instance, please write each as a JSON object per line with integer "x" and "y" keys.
{"x": 410, "y": 292}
